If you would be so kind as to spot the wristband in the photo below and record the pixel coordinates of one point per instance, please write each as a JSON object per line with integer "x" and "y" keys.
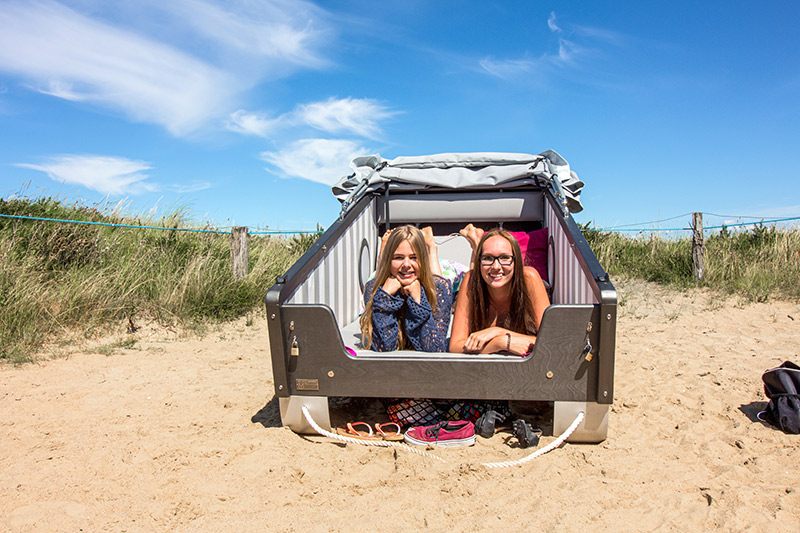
{"x": 508, "y": 344}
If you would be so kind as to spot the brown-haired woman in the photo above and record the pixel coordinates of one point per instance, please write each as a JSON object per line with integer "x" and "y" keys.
{"x": 501, "y": 303}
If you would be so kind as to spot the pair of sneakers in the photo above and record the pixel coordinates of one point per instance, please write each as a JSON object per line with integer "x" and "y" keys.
{"x": 444, "y": 434}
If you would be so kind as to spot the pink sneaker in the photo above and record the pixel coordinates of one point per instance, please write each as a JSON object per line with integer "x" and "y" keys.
{"x": 445, "y": 434}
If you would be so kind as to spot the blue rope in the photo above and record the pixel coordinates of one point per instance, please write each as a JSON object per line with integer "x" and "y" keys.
{"x": 267, "y": 232}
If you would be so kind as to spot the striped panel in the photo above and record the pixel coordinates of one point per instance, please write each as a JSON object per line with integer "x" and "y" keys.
{"x": 334, "y": 281}
{"x": 570, "y": 283}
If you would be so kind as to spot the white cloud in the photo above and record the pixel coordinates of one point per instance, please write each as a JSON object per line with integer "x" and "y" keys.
{"x": 268, "y": 29}
{"x": 105, "y": 174}
{"x": 320, "y": 160}
{"x": 361, "y": 117}
{"x": 551, "y": 22}
{"x": 347, "y": 115}
{"x": 257, "y": 124}
{"x": 125, "y": 62}
{"x": 569, "y": 54}
{"x": 507, "y": 68}
{"x": 598, "y": 34}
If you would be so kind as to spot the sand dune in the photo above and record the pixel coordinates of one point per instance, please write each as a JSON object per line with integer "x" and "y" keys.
{"x": 183, "y": 434}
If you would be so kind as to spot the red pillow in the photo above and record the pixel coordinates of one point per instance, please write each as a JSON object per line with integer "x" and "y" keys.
{"x": 534, "y": 249}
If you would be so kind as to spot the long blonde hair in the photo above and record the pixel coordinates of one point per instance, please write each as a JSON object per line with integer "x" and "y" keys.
{"x": 417, "y": 241}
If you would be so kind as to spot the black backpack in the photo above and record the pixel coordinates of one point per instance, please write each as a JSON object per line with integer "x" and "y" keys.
{"x": 781, "y": 385}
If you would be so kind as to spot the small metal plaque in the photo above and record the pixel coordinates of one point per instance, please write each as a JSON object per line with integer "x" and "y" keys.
{"x": 307, "y": 384}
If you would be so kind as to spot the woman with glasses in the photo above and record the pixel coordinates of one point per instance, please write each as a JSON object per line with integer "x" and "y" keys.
{"x": 501, "y": 303}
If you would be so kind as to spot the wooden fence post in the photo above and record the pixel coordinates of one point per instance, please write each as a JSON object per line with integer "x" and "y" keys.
{"x": 240, "y": 253}
{"x": 697, "y": 246}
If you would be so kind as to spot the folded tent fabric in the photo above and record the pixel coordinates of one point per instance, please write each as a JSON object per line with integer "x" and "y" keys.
{"x": 459, "y": 171}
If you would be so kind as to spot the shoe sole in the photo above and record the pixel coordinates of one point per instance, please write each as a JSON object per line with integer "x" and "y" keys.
{"x": 451, "y": 443}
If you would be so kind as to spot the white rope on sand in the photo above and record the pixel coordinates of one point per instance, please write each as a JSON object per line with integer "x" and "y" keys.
{"x": 503, "y": 464}
{"x": 552, "y": 446}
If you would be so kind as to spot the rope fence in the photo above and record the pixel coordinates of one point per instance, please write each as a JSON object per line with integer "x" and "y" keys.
{"x": 698, "y": 234}
{"x": 240, "y": 252}
{"x": 133, "y": 226}
{"x": 706, "y": 228}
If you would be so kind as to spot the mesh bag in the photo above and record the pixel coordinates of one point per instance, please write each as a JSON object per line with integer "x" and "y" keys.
{"x": 414, "y": 412}
{"x": 472, "y": 410}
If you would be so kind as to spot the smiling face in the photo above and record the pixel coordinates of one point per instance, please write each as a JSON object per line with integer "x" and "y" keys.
{"x": 496, "y": 275}
{"x": 405, "y": 266}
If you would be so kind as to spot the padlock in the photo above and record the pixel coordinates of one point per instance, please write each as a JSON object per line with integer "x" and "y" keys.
{"x": 588, "y": 351}
{"x": 295, "y": 349}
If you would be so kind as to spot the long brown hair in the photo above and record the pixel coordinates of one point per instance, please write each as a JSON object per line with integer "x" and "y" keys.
{"x": 520, "y": 314}
{"x": 417, "y": 241}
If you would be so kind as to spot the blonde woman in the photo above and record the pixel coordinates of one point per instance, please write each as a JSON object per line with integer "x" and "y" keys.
{"x": 407, "y": 304}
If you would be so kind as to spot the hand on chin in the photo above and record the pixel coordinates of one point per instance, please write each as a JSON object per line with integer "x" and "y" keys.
{"x": 405, "y": 281}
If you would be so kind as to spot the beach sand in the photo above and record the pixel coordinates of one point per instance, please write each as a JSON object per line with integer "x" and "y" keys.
{"x": 183, "y": 434}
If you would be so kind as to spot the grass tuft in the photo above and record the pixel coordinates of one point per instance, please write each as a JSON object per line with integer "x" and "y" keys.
{"x": 56, "y": 276}
{"x": 757, "y": 264}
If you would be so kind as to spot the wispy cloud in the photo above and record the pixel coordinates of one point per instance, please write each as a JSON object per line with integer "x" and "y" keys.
{"x": 507, "y": 68}
{"x": 106, "y": 174}
{"x": 552, "y": 24}
{"x": 320, "y": 160}
{"x": 354, "y": 116}
{"x": 361, "y": 117}
{"x": 134, "y": 65}
{"x": 258, "y": 124}
{"x": 569, "y": 52}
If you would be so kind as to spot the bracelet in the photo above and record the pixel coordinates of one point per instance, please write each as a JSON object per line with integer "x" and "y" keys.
{"x": 508, "y": 344}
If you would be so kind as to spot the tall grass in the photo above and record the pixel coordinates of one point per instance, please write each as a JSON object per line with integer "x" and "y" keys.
{"x": 758, "y": 264}
{"x": 56, "y": 276}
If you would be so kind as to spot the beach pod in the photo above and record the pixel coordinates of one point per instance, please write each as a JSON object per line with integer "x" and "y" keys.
{"x": 313, "y": 309}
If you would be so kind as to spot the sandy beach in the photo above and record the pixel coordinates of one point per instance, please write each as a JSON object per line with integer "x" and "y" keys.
{"x": 182, "y": 433}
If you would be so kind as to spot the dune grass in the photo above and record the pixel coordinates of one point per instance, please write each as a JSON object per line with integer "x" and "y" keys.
{"x": 57, "y": 276}
{"x": 758, "y": 263}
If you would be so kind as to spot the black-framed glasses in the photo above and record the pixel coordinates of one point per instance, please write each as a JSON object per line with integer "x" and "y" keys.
{"x": 504, "y": 260}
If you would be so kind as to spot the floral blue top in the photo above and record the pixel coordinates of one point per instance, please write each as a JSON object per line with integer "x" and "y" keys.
{"x": 425, "y": 330}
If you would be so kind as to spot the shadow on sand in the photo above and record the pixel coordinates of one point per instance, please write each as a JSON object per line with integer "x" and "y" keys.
{"x": 268, "y": 416}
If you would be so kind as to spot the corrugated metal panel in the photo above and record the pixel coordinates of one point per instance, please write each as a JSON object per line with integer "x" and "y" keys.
{"x": 570, "y": 284}
{"x": 334, "y": 282}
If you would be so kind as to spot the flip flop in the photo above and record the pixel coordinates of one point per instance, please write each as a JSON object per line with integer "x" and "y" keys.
{"x": 353, "y": 433}
{"x": 393, "y": 433}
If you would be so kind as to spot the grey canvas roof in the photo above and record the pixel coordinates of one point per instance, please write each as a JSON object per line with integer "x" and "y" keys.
{"x": 479, "y": 170}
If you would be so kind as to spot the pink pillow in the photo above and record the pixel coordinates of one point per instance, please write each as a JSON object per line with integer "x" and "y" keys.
{"x": 534, "y": 249}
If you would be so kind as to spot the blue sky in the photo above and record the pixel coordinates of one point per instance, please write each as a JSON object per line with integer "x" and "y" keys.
{"x": 246, "y": 112}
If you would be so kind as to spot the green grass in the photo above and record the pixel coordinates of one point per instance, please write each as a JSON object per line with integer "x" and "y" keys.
{"x": 757, "y": 264}
{"x": 57, "y": 276}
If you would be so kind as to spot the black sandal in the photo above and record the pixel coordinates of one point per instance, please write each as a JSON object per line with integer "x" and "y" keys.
{"x": 525, "y": 434}
{"x": 486, "y": 424}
